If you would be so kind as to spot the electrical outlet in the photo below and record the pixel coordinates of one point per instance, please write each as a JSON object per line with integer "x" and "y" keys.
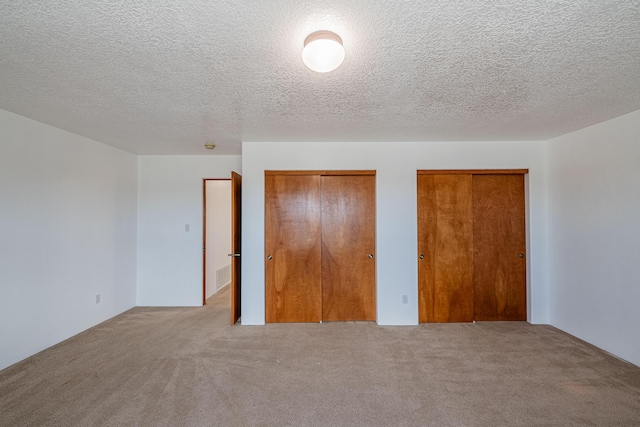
{"x": 405, "y": 299}
{"x": 97, "y": 298}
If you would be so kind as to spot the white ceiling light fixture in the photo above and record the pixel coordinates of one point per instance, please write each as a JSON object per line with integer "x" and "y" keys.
{"x": 323, "y": 51}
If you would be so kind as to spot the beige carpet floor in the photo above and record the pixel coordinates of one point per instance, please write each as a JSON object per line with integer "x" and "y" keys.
{"x": 188, "y": 367}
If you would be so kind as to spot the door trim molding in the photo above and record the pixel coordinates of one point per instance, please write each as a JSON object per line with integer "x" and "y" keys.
{"x": 320, "y": 172}
{"x": 474, "y": 172}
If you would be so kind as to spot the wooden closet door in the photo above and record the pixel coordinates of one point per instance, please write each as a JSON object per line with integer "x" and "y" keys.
{"x": 499, "y": 264}
{"x": 293, "y": 248}
{"x": 348, "y": 248}
{"x": 445, "y": 248}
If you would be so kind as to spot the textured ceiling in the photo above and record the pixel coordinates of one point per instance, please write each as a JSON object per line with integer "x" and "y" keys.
{"x": 166, "y": 76}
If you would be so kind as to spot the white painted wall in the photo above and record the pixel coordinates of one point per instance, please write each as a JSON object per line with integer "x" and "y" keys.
{"x": 218, "y": 241}
{"x": 594, "y": 234}
{"x": 68, "y": 232}
{"x": 396, "y": 165}
{"x": 170, "y": 196}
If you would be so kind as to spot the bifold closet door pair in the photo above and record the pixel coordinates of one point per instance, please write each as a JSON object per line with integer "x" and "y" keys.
{"x": 319, "y": 246}
{"x": 471, "y": 246}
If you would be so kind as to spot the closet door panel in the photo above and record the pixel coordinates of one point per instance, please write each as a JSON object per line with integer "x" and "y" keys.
{"x": 445, "y": 248}
{"x": 293, "y": 242}
{"x": 348, "y": 248}
{"x": 499, "y": 247}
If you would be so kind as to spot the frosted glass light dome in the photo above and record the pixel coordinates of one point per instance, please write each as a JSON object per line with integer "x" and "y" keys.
{"x": 323, "y": 51}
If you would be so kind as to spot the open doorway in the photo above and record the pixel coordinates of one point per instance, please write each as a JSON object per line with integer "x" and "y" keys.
{"x": 216, "y": 263}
